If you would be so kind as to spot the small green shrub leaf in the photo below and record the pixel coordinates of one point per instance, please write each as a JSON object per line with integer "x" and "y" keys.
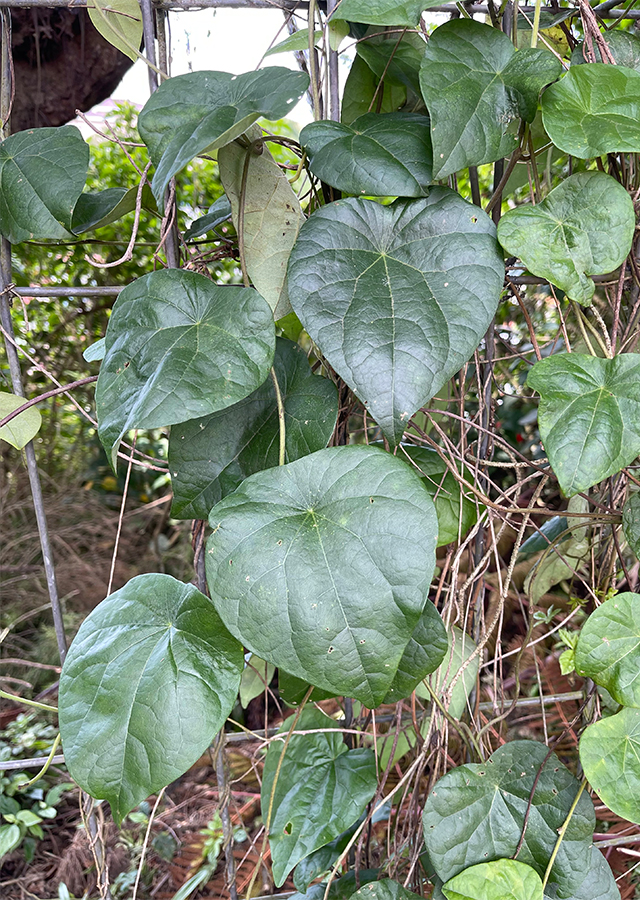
{"x": 340, "y": 888}
{"x": 148, "y": 681}
{"x": 476, "y": 814}
{"x": 589, "y": 415}
{"x": 119, "y": 22}
{"x": 631, "y": 522}
{"x": 610, "y": 757}
{"x": 19, "y": 431}
{"x": 202, "y": 111}
{"x": 593, "y": 110}
{"x": 584, "y": 227}
{"x": 42, "y": 174}
{"x": 422, "y": 656}
{"x": 10, "y": 837}
{"x": 299, "y": 40}
{"x": 385, "y": 155}
{"x": 210, "y": 457}
{"x": 177, "y": 347}
{"x": 322, "y": 566}
{"x": 502, "y": 879}
{"x": 609, "y": 648}
{"x": 383, "y": 12}
{"x": 272, "y": 217}
{"x": 321, "y": 790}
{"x": 397, "y": 297}
{"x": 475, "y": 84}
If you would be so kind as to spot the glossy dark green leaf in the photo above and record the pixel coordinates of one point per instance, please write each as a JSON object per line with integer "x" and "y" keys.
{"x": 594, "y": 110}
{"x": 422, "y": 656}
{"x": 397, "y": 297}
{"x": 19, "y": 431}
{"x": 340, "y": 888}
{"x": 42, "y": 174}
{"x": 148, "y": 681}
{"x": 322, "y": 566}
{"x": 599, "y": 883}
{"x": 589, "y": 415}
{"x": 293, "y": 690}
{"x": 608, "y": 649}
{"x": 177, "y": 347}
{"x": 202, "y": 111}
{"x": 320, "y": 861}
{"x": 210, "y": 457}
{"x": 624, "y": 47}
{"x": 385, "y": 155}
{"x": 610, "y": 757}
{"x": 631, "y": 522}
{"x": 547, "y": 534}
{"x": 96, "y": 210}
{"x": 361, "y": 93}
{"x": 394, "y": 57}
{"x": 218, "y": 212}
{"x": 476, "y": 813}
{"x": 456, "y": 513}
{"x": 502, "y": 879}
{"x": 383, "y": 12}
{"x": 584, "y": 227}
{"x": 386, "y": 889}
{"x": 272, "y": 216}
{"x": 475, "y": 84}
{"x": 321, "y": 790}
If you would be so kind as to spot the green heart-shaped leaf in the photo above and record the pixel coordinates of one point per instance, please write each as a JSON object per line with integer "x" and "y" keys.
{"x": 599, "y": 883}
{"x": 422, "y": 656}
{"x": 210, "y": 457}
{"x": 475, "y": 84}
{"x": 19, "y": 431}
{"x": 476, "y": 814}
{"x": 397, "y": 297}
{"x": 177, "y": 347}
{"x": 594, "y": 110}
{"x": 589, "y": 415}
{"x": 148, "y": 681}
{"x": 610, "y": 757}
{"x": 119, "y": 22}
{"x": 394, "y": 57}
{"x": 388, "y": 155}
{"x": 609, "y": 648}
{"x": 322, "y": 566}
{"x": 631, "y": 522}
{"x": 96, "y": 210}
{"x": 42, "y": 174}
{"x": 624, "y": 47}
{"x": 320, "y": 861}
{"x": 383, "y": 12}
{"x": 272, "y": 217}
{"x": 584, "y": 227}
{"x": 322, "y": 789}
{"x": 502, "y": 879}
{"x": 202, "y": 111}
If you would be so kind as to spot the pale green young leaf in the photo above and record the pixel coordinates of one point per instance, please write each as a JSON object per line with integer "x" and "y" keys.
{"x": 19, "y": 431}
{"x": 383, "y": 12}
{"x": 256, "y": 677}
{"x": 299, "y": 40}
{"x": 120, "y": 23}
{"x": 608, "y": 649}
{"x": 610, "y": 756}
{"x": 501, "y": 879}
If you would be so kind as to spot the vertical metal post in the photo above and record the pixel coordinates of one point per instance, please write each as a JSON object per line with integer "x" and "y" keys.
{"x": 148, "y": 30}
{"x": 334, "y": 75}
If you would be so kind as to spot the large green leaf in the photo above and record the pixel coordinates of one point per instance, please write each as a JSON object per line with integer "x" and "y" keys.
{"x": 321, "y": 790}
{"x": 322, "y": 566}
{"x": 397, "y": 297}
{"x": 320, "y": 861}
{"x": 608, "y": 649}
{"x": 42, "y": 174}
{"x": 177, "y": 347}
{"x": 475, "y": 84}
{"x": 422, "y": 656}
{"x": 456, "y": 513}
{"x": 599, "y": 883}
{"x": 502, "y": 879}
{"x": 272, "y": 217}
{"x": 388, "y": 155}
{"x": 631, "y": 522}
{"x": 394, "y": 57}
{"x": 119, "y": 22}
{"x": 202, "y": 111}
{"x": 148, "y": 681}
{"x": 589, "y": 415}
{"x": 624, "y": 47}
{"x": 476, "y": 814}
{"x": 383, "y": 12}
{"x": 610, "y": 757}
{"x": 360, "y": 90}
{"x": 584, "y": 227}
{"x": 593, "y": 110}
{"x": 210, "y": 457}
{"x": 19, "y": 431}
{"x": 461, "y": 648}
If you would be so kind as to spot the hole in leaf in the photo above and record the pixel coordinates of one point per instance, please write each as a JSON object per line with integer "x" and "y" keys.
{"x": 288, "y": 828}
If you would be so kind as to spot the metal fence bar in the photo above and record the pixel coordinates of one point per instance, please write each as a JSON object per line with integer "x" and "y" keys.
{"x": 106, "y": 291}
